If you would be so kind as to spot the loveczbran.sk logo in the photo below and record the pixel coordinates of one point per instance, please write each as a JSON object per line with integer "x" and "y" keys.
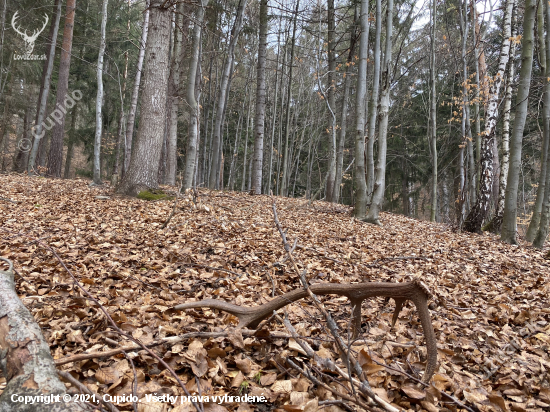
{"x": 29, "y": 40}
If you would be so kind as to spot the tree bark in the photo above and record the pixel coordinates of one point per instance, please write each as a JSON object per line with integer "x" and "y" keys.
{"x": 361, "y": 96}
{"x": 99, "y": 98}
{"x": 331, "y": 103}
{"x": 509, "y": 224}
{"x": 433, "y": 112}
{"x": 374, "y": 103}
{"x": 260, "y": 102}
{"x": 25, "y": 357}
{"x": 213, "y": 182}
{"x": 135, "y": 92}
{"x": 380, "y": 178}
{"x": 55, "y": 157}
{"x": 142, "y": 172}
{"x": 480, "y": 210}
{"x": 38, "y": 131}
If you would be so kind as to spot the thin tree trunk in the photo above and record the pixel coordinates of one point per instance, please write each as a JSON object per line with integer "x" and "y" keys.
{"x": 544, "y": 222}
{"x": 55, "y": 158}
{"x": 331, "y": 103}
{"x": 224, "y": 89}
{"x": 361, "y": 96}
{"x": 480, "y": 209}
{"x": 373, "y": 104}
{"x": 142, "y": 172}
{"x": 99, "y": 98}
{"x": 509, "y": 224}
{"x": 433, "y": 112}
{"x": 260, "y": 103}
{"x": 284, "y": 183}
{"x": 135, "y": 92}
{"x": 533, "y": 228}
{"x": 70, "y": 147}
{"x": 380, "y": 177}
{"x": 274, "y": 117}
{"x": 38, "y": 131}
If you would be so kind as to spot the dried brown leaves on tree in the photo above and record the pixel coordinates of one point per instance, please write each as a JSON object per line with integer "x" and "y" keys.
{"x": 490, "y": 311}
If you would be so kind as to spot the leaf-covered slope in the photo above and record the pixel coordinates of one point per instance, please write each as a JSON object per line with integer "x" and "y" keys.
{"x": 491, "y": 310}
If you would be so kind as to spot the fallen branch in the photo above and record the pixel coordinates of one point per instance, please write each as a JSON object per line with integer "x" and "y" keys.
{"x": 25, "y": 357}
{"x": 84, "y": 389}
{"x": 5, "y": 199}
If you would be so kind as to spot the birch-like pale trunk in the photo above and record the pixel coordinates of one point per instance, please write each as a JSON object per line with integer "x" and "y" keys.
{"x": 533, "y": 228}
{"x": 213, "y": 181}
{"x": 284, "y": 183}
{"x": 173, "y": 100}
{"x": 380, "y": 172}
{"x": 258, "y": 161}
{"x": 38, "y": 131}
{"x": 331, "y": 103}
{"x": 509, "y": 223}
{"x": 361, "y": 96}
{"x": 99, "y": 97}
{"x": 274, "y": 117}
{"x": 135, "y": 92}
{"x": 544, "y": 222}
{"x": 373, "y": 104}
{"x": 433, "y": 112}
{"x": 479, "y": 211}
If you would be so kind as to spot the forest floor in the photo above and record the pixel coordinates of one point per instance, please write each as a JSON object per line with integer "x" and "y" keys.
{"x": 490, "y": 311}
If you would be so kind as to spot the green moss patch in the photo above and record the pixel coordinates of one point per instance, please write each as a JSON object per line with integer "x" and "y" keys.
{"x": 152, "y": 195}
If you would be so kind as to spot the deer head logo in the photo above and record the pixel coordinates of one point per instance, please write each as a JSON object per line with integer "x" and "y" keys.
{"x": 29, "y": 40}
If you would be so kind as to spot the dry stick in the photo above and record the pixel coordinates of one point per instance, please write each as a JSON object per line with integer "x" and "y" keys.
{"x": 115, "y": 326}
{"x": 5, "y": 199}
{"x": 316, "y": 381}
{"x": 83, "y": 388}
{"x": 175, "y": 204}
{"x": 171, "y": 340}
{"x": 134, "y": 386}
{"x": 364, "y": 385}
{"x": 450, "y": 397}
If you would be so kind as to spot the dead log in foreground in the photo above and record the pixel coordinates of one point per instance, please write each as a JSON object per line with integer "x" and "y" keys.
{"x": 415, "y": 291}
{"x": 25, "y": 358}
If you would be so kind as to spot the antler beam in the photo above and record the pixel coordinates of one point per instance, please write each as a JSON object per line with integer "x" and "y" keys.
{"x": 416, "y": 291}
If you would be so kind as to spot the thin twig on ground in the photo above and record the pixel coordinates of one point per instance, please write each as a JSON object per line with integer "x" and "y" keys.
{"x": 83, "y": 388}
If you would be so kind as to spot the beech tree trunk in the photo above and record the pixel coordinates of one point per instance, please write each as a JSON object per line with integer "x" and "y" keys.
{"x": 380, "y": 177}
{"x": 99, "y": 98}
{"x": 135, "y": 92}
{"x": 544, "y": 222}
{"x": 55, "y": 157}
{"x": 257, "y": 166}
{"x": 331, "y": 103}
{"x": 361, "y": 96}
{"x": 480, "y": 210}
{"x": 509, "y": 224}
{"x": 374, "y": 103}
{"x": 25, "y": 357}
{"x": 213, "y": 181}
{"x": 192, "y": 139}
{"x": 142, "y": 173}
{"x": 433, "y": 112}
{"x": 38, "y": 129}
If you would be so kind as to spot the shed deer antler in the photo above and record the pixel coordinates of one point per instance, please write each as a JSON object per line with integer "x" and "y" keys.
{"x": 29, "y": 40}
{"x": 416, "y": 291}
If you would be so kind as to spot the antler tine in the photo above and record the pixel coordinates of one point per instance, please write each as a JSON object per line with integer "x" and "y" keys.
{"x": 13, "y": 22}
{"x": 36, "y": 32}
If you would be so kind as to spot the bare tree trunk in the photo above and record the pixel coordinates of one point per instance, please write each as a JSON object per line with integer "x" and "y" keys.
{"x": 260, "y": 102}
{"x": 55, "y": 157}
{"x": 274, "y": 116}
{"x": 380, "y": 177}
{"x": 135, "y": 92}
{"x": 70, "y": 147}
{"x": 38, "y": 131}
{"x": 224, "y": 89}
{"x": 331, "y": 103}
{"x": 374, "y": 104}
{"x": 361, "y": 96}
{"x": 99, "y": 98}
{"x": 142, "y": 172}
{"x": 509, "y": 224}
{"x": 21, "y": 157}
{"x": 433, "y": 112}
{"x": 480, "y": 209}
{"x": 544, "y": 222}
{"x": 284, "y": 184}
{"x": 533, "y": 228}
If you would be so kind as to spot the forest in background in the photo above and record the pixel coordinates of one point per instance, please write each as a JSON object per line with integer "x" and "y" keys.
{"x": 437, "y": 110}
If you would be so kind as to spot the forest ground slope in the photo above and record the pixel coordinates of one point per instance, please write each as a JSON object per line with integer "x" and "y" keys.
{"x": 491, "y": 305}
